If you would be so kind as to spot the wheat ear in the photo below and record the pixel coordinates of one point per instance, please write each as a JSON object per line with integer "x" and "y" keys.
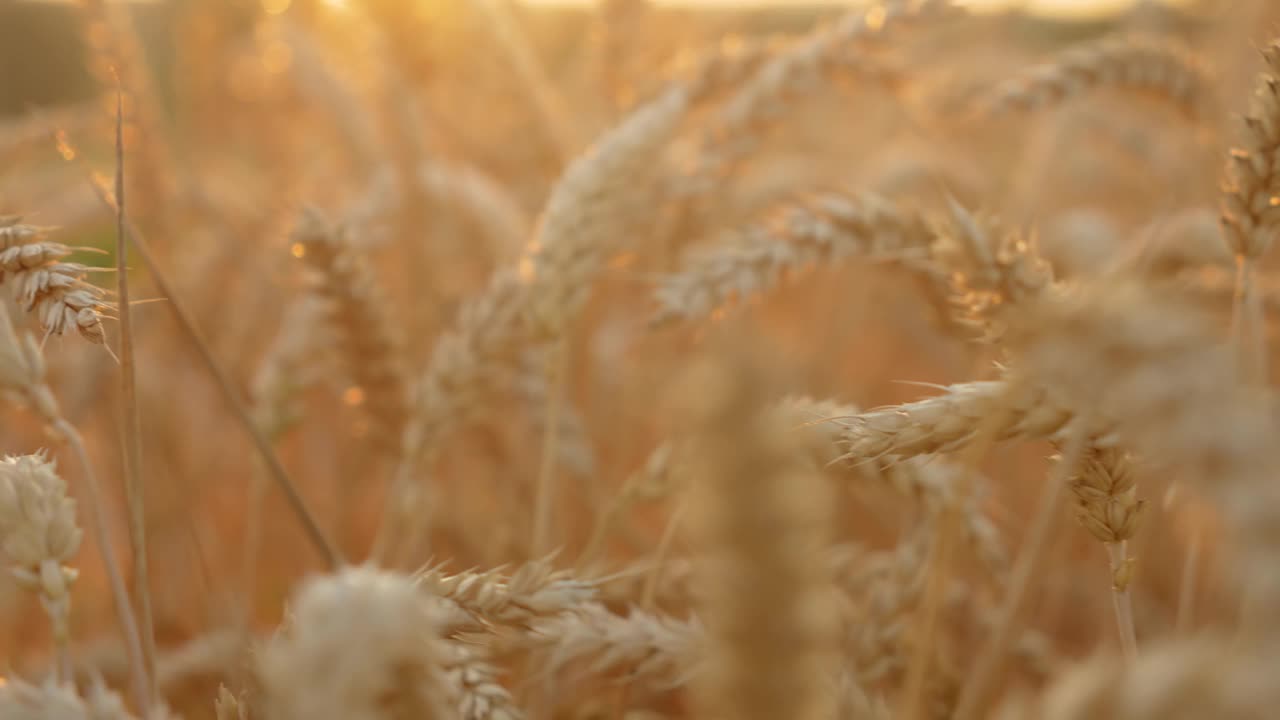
{"x": 1106, "y": 503}
{"x": 950, "y": 421}
{"x": 776, "y": 79}
{"x": 1151, "y": 364}
{"x": 477, "y": 600}
{"x": 55, "y": 292}
{"x": 815, "y": 232}
{"x": 1251, "y": 212}
{"x": 1153, "y": 66}
{"x": 368, "y": 341}
{"x": 475, "y": 685}
{"x": 39, "y": 536}
{"x": 657, "y": 651}
{"x": 360, "y": 644}
{"x": 602, "y": 199}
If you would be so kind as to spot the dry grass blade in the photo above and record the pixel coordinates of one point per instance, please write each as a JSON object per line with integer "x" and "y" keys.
{"x": 132, "y": 437}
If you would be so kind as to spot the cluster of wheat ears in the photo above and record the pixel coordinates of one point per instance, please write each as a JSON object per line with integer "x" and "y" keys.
{"x": 445, "y": 410}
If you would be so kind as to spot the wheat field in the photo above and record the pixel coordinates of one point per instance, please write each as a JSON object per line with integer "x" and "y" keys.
{"x": 470, "y": 360}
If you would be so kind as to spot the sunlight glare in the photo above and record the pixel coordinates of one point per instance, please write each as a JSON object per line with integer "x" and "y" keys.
{"x": 1064, "y": 9}
{"x": 275, "y": 7}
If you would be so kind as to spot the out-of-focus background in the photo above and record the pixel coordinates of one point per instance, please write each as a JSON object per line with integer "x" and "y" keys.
{"x": 42, "y": 53}
{"x": 435, "y": 133}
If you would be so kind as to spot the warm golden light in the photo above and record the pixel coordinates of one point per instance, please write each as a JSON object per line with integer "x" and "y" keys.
{"x": 353, "y": 396}
{"x": 1063, "y": 9}
{"x": 64, "y": 145}
{"x": 275, "y": 7}
{"x": 875, "y": 17}
{"x": 276, "y": 57}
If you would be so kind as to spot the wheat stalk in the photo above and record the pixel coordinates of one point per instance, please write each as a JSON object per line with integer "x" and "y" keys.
{"x": 760, "y": 519}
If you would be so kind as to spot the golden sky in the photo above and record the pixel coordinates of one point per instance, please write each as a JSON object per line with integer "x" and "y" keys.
{"x": 1070, "y": 9}
{"x": 1054, "y": 8}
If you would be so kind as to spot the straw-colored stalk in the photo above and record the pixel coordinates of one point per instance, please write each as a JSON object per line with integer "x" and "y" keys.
{"x": 759, "y": 517}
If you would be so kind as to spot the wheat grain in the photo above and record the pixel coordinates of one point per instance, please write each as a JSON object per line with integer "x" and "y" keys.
{"x": 55, "y": 292}
{"x": 475, "y": 684}
{"x": 477, "y": 599}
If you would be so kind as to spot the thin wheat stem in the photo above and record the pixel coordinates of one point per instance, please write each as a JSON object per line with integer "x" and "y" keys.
{"x": 132, "y": 430}
{"x": 944, "y": 540}
{"x": 1256, "y": 325}
{"x": 64, "y": 671}
{"x": 599, "y": 532}
{"x": 1121, "y": 599}
{"x": 1187, "y": 583}
{"x": 119, "y": 591}
{"x": 333, "y": 559}
{"x": 1248, "y": 333}
{"x": 544, "y": 500}
{"x": 238, "y": 407}
{"x": 253, "y": 522}
{"x": 654, "y": 578}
